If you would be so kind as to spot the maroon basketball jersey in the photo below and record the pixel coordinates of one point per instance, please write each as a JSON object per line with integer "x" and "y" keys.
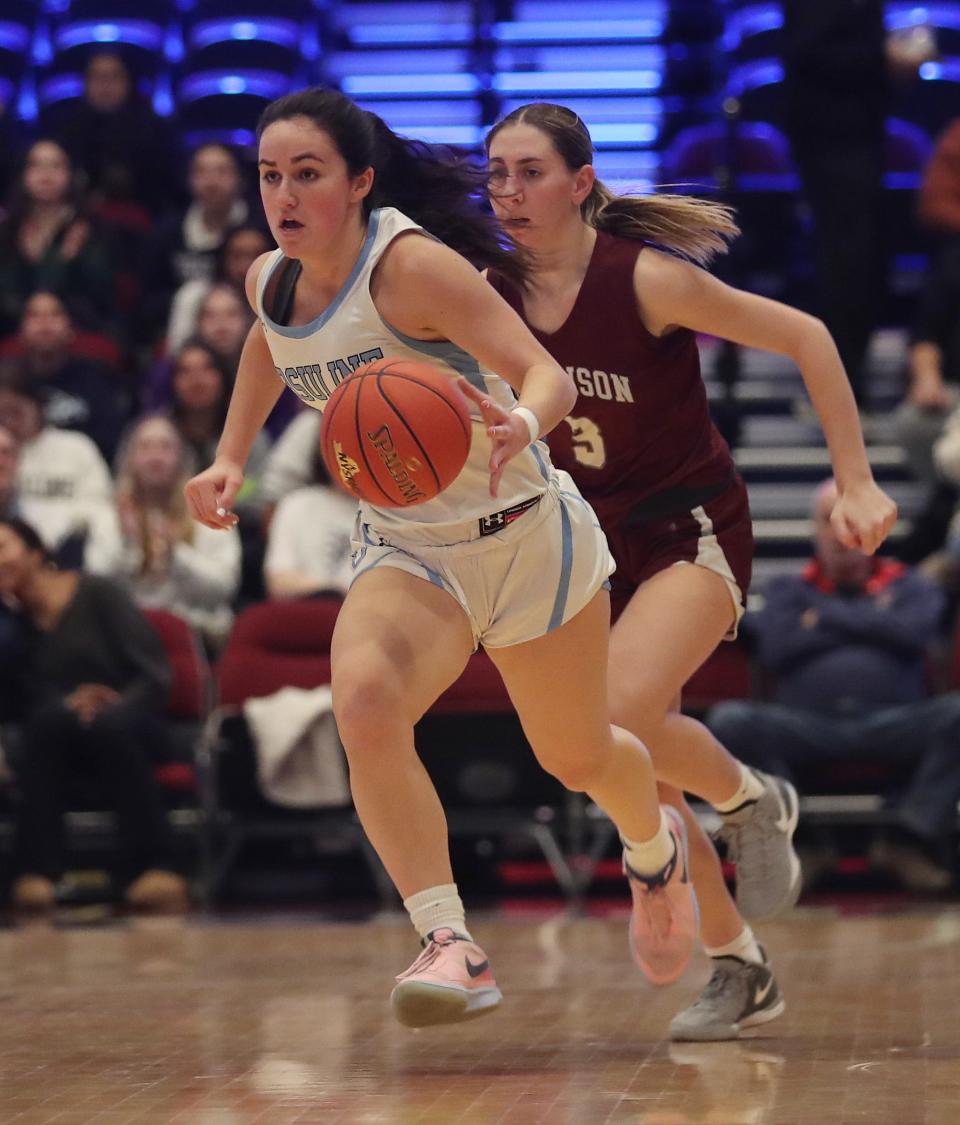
{"x": 640, "y": 437}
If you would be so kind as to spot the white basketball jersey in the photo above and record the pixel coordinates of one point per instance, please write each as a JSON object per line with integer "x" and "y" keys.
{"x": 313, "y": 358}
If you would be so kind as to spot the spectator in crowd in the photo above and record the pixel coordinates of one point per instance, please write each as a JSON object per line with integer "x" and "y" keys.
{"x": 63, "y": 482}
{"x": 186, "y": 245}
{"x": 12, "y": 633}
{"x": 112, "y": 134}
{"x": 934, "y": 366}
{"x": 80, "y": 393}
{"x": 150, "y": 544}
{"x": 98, "y": 678}
{"x": 241, "y": 247}
{"x": 201, "y": 386}
{"x": 9, "y": 461}
{"x": 289, "y": 462}
{"x": 848, "y": 641}
{"x": 838, "y": 65}
{"x": 938, "y": 207}
{"x": 308, "y": 544}
{"x": 48, "y": 241}
{"x": 11, "y": 145}
{"x": 223, "y": 321}
{"x": 927, "y": 423}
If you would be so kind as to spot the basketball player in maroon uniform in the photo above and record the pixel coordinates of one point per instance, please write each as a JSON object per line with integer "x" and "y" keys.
{"x": 621, "y": 317}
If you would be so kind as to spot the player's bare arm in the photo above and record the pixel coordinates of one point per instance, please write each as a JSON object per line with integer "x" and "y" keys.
{"x": 671, "y": 293}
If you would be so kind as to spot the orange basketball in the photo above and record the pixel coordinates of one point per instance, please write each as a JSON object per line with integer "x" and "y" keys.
{"x": 395, "y": 433}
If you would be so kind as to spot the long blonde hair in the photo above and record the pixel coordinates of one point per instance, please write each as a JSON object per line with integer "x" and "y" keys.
{"x": 129, "y": 492}
{"x": 695, "y": 229}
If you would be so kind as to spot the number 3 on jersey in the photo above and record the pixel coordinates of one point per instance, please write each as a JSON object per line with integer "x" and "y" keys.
{"x": 588, "y": 447}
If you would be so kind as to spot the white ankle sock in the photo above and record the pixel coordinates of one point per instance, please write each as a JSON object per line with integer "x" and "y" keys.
{"x": 744, "y": 946}
{"x": 749, "y": 789}
{"x": 435, "y": 907}
{"x": 647, "y": 857}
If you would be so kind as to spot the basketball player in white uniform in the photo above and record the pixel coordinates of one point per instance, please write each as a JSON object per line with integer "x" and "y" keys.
{"x": 509, "y": 556}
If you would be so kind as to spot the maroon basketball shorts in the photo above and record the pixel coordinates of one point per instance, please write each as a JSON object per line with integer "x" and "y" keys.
{"x": 716, "y": 533}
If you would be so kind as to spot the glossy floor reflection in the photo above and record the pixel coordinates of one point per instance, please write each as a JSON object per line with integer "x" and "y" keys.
{"x": 284, "y": 1020}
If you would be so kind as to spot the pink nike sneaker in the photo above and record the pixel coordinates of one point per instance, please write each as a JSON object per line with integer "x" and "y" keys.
{"x": 449, "y": 982}
{"x": 665, "y": 920}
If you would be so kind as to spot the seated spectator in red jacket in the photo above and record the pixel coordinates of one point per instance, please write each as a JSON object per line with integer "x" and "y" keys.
{"x": 49, "y": 241}
{"x": 97, "y": 681}
{"x": 848, "y": 641}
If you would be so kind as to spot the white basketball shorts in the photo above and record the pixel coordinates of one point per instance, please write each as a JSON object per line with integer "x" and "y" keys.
{"x": 525, "y": 570}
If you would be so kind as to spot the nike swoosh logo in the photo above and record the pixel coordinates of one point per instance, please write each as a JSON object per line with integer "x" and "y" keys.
{"x": 476, "y": 970}
{"x": 762, "y": 993}
{"x": 783, "y": 821}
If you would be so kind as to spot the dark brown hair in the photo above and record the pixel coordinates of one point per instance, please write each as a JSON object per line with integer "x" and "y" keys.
{"x": 438, "y": 186}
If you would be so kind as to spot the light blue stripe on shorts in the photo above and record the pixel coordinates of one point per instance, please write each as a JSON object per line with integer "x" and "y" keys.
{"x": 566, "y": 565}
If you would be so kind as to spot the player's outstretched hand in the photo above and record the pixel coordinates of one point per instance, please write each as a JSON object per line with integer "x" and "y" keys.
{"x": 863, "y": 517}
{"x": 507, "y": 431}
{"x": 210, "y": 494}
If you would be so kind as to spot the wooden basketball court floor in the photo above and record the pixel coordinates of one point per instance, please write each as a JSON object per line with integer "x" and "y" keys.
{"x": 278, "y": 1020}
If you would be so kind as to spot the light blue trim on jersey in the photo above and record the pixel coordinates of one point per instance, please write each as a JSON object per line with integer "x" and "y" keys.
{"x": 577, "y": 496}
{"x": 544, "y": 470}
{"x": 302, "y": 331}
{"x": 462, "y": 362}
{"x": 566, "y": 565}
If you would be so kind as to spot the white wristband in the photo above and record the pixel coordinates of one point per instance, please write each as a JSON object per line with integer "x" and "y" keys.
{"x": 533, "y": 422}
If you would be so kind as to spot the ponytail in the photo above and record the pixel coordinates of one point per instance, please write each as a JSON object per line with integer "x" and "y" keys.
{"x": 695, "y": 229}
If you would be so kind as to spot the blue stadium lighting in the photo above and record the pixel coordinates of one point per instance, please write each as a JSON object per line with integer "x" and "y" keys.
{"x": 563, "y": 31}
{"x": 532, "y": 81}
{"x": 173, "y": 45}
{"x": 310, "y": 44}
{"x": 410, "y": 84}
{"x": 947, "y": 69}
{"x": 136, "y": 33}
{"x": 750, "y": 76}
{"x": 241, "y": 138}
{"x": 900, "y": 18}
{"x": 751, "y": 21}
{"x": 466, "y": 135}
{"x": 381, "y": 35}
{"x": 597, "y": 109}
{"x": 258, "y": 83}
{"x": 61, "y": 87}
{"x": 163, "y": 102}
{"x": 27, "y": 107}
{"x": 14, "y": 37}
{"x": 284, "y": 33}
{"x": 619, "y": 133}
